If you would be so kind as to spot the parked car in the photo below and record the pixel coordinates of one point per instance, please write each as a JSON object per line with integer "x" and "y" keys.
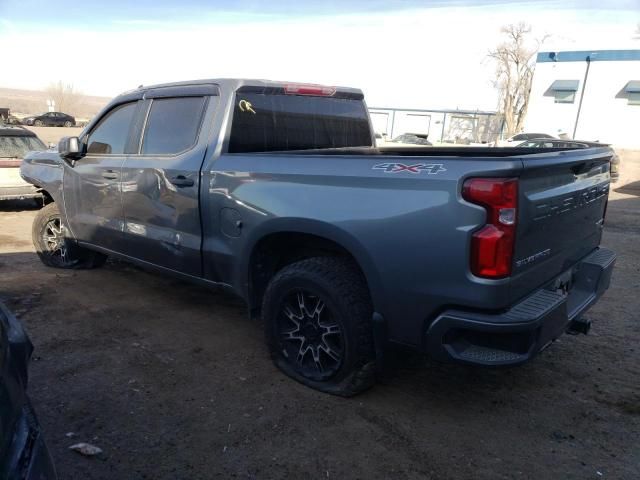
{"x": 13, "y": 120}
{"x": 15, "y": 142}
{"x": 412, "y": 139}
{"x": 276, "y": 192}
{"x": 6, "y": 117}
{"x": 50, "y": 119}
{"x": 521, "y": 137}
{"x": 558, "y": 143}
{"x": 23, "y": 451}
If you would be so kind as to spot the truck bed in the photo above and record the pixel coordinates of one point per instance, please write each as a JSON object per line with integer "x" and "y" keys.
{"x": 455, "y": 151}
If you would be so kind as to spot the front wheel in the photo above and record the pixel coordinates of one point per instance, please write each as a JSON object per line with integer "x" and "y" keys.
{"x": 317, "y": 317}
{"x": 38, "y": 123}
{"x": 54, "y": 248}
{"x": 67, "y": 124}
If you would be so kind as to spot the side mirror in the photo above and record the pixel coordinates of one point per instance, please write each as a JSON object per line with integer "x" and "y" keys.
{"x": 69, "y": 148}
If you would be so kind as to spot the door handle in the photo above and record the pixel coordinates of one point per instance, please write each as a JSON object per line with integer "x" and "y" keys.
{"x": 182, "y": 181}
{"x": 110, "y": 175}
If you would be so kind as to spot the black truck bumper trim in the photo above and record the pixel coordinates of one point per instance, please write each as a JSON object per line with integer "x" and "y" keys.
{"x": 517, "y": 335}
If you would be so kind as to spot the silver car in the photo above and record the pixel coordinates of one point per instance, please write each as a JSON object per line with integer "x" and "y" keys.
{"x": 15, "y": 142}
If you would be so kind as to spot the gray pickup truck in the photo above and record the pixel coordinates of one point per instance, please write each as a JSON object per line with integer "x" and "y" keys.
{"x": 276, "y": 192}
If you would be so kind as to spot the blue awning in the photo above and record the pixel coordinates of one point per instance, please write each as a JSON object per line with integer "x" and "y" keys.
{"x": 565, "y": 85}
{"x": 633, "y": 86}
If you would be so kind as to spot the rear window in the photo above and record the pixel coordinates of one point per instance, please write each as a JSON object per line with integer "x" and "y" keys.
{"x": 173, "y": 125}
{"x": 17, "y": 147}
{"x": 272, "y": 122}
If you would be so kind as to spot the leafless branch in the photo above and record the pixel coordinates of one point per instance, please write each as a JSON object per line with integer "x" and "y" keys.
{"x": 515, "y": 61}
{"x": 65, "y": 96}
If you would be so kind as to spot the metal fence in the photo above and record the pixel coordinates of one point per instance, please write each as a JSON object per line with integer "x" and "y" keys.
{"x": 441, "y": 126}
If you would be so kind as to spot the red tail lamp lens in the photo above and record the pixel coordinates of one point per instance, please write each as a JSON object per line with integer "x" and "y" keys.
{"x": 492, "y": 245}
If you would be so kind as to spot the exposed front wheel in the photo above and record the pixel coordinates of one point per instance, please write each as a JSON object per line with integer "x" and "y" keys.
{"x": 317, "y": 316}
{"x": 38, "y": 123}
{"x": 54, "y": 248}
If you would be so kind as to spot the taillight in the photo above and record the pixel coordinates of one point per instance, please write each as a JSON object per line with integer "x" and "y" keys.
{"x": 492, "y": 245}
{"x": 309, "y": 89}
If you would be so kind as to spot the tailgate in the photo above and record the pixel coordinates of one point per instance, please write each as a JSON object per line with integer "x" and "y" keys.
{"x": 562, "y": 201}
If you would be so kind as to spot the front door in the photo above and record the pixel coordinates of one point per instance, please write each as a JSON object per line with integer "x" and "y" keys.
{"x": 92, "y": 186}
{"x": 160, "y": 185}
{"x": 49, "y": 120}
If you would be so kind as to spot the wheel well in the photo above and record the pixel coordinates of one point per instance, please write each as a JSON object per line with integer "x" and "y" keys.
{"x": 276, "y": 251}
{"x": 46, "y": 197}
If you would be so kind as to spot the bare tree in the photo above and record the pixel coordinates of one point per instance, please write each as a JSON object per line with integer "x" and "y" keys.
{"x": 65, "y": 95}
{"x": 515, "y": 61}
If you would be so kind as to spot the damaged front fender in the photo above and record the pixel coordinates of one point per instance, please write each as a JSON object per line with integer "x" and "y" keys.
{"x": 45, "y": 171}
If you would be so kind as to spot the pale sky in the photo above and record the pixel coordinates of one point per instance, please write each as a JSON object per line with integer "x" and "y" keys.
{"x": 408, "y": 54}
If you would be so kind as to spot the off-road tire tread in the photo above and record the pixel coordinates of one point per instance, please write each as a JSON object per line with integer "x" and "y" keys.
{"x": 347, "y": 283}
{"x": 84, "y": 259}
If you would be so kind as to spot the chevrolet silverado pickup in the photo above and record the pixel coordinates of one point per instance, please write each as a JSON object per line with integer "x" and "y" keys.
{"x": 276, "y": 192}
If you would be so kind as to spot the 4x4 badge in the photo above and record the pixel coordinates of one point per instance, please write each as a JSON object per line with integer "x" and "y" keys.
{"x": 430, "y": 168}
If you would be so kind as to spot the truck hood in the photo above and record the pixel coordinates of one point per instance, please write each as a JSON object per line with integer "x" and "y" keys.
{"x": 46, "y": 156}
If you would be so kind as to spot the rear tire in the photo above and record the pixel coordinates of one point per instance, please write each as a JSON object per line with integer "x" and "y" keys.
{"x": 67, "y": 124}
{"x": 317, "y": 317}
{"x": 54, "y": 248}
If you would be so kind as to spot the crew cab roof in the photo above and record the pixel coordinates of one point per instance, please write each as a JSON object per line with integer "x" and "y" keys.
{"x": 232, "y": 84}
{"x": 213, "y": 86}
{"x": 15, "y": 131}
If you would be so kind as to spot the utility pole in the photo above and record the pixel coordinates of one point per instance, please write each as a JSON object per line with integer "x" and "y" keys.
{"x": 584, "y": 86}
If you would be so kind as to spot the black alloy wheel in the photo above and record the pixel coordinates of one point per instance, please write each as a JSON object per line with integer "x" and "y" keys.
{"x": 311, "y": 336}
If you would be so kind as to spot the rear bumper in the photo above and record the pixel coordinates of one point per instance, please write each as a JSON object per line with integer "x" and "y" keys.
{"x": 19, "y": 192}
{"x": 517, "y": 335}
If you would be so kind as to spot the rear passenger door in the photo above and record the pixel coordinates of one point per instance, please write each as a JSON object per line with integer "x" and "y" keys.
{"x": 160, "y": 183}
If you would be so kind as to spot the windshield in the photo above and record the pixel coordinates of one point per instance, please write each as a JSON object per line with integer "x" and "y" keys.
{"x": 17, "y": 147}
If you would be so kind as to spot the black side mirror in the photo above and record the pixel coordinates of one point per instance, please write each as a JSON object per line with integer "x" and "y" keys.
{"x": 69, "y": 148}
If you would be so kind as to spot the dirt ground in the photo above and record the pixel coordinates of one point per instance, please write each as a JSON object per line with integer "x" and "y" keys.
{"x": 173, "y": 382}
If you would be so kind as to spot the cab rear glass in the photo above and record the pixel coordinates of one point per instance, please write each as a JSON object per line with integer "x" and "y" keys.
{"x": 279, "y": 122}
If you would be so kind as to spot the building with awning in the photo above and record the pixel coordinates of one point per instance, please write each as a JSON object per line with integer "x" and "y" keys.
{"x": 587, "y": 95}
